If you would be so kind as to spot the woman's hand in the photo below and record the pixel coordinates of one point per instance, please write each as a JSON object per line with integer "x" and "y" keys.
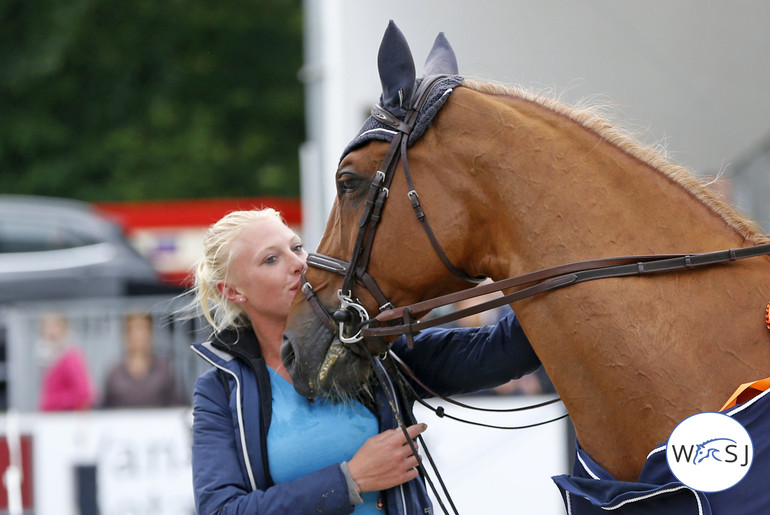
{"x": 385, "y": 460}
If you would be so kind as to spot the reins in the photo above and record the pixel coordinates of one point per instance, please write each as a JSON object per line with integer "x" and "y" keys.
{"x": 551, "y": 279}
{"x": 390, "y": 391}
{"x": 548, "y": 279}
{"x": 403, "y": 369}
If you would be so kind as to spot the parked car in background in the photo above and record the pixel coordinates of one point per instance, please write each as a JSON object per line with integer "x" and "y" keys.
{"x": 53, "y": 248}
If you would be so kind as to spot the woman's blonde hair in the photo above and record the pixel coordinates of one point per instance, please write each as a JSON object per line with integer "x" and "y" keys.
{"x": 214, "y": 266}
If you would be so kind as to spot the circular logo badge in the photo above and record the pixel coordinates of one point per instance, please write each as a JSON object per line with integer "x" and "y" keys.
{"x": 709, "y": 452}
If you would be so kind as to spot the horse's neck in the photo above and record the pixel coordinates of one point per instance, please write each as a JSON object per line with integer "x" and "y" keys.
{"x": 591, "y": 195}
{"x": 630, "y": 357}
{"x": 568, "y": 194}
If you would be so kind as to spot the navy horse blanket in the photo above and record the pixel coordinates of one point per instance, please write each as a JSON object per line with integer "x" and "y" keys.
{"x": 592, "y": 490}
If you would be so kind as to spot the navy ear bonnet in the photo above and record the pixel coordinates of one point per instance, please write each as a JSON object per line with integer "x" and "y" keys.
{"x": 373, "y": 129}
{"x": 397, "y": 76}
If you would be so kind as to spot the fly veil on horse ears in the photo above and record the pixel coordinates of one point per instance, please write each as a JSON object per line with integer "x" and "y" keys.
{"x": 400, "y": 85}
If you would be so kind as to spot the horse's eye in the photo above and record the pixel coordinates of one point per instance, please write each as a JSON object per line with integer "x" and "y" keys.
{"x": 348, "y": 184}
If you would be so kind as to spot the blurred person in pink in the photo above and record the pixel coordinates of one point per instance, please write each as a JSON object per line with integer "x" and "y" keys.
{"x": 67, "y": 383}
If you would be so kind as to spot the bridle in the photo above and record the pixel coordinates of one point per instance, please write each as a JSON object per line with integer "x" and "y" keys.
{"x": 349, "y": 320}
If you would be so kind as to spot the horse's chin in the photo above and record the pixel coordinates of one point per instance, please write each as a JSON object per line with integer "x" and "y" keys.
{"x": 339, "y": 373}
{"x": 343, "y": 373}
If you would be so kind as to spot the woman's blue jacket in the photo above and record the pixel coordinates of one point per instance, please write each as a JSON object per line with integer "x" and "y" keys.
{"x": 231, "y": 411}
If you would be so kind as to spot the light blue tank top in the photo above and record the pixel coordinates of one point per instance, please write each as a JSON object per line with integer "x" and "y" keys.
{"x": 307, "y": 436}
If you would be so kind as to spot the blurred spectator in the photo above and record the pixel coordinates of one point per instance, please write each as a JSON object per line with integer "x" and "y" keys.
{"x": 67, "y": 383}
{"x": 143, "y": 379}
{"x": 535, "y": 383}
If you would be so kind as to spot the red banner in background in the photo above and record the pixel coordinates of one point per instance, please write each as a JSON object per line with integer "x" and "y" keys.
{"x": 26, "y": 477}
{"x": 169, "y": 233}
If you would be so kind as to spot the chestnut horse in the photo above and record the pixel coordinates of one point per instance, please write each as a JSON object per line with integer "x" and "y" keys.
{"x": 512, "y": 183}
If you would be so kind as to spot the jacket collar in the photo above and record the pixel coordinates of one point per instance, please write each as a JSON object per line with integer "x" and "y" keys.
{"x": 240, "y": 342}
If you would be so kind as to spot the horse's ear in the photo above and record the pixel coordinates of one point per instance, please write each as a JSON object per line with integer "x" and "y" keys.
{"x": 397, "y": 74}
{"x": 441, "y": 59}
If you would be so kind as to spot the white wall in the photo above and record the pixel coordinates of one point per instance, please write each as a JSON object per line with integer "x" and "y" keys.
{"x": 499, "y": 472}
{"x": 142, "y": 460}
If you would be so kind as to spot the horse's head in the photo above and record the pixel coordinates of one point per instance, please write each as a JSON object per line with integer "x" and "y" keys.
{"x": 376, "y": 213}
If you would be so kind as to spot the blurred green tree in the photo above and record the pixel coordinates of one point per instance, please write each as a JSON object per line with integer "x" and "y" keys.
{"x": 115, "y": 100}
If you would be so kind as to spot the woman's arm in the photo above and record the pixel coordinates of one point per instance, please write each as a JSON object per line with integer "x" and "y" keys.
{"x": 464, "y": 360}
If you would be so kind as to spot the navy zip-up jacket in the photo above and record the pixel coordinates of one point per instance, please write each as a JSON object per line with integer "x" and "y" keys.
{"x": 230, "y": 473}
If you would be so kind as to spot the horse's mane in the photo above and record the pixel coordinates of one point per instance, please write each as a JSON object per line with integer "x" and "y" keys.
{"x": 591, "y": 119}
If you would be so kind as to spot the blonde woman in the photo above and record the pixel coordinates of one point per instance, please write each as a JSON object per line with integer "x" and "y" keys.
{"x": 261, "y": 448}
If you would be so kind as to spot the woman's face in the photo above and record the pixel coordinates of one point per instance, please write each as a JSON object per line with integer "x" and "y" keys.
{"x": 266, "y": 262}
